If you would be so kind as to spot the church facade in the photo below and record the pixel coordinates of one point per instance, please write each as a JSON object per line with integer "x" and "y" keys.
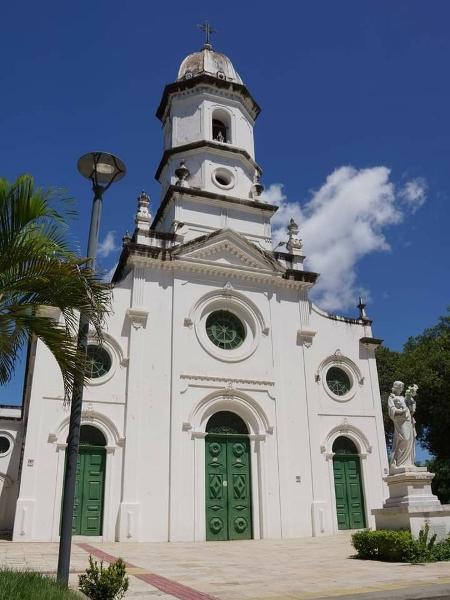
{"x": 223, "y": 404}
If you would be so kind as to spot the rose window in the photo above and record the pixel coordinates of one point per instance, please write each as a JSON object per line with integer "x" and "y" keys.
{"x": 338, "y": 381}
{"x": 225, "y": 330}
{"x": 98, "y": 362}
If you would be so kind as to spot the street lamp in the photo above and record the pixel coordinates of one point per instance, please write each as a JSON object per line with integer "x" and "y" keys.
{"x": 103, "y": 169}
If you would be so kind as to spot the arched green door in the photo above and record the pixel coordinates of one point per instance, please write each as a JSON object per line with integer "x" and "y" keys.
{"x": 348, "y": 485}
{"x": 227, "y": 479}
{"x": 90, "y": 483}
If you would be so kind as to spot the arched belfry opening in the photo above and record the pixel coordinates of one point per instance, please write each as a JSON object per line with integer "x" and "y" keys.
{"x": 221, "y": 126}
{"x": 227, "y": 478}
{"x": 90, "y": 483}
{"x": 348, "y": 484}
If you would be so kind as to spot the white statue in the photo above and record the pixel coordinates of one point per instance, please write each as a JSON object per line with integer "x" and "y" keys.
{"x": 401, "y": 411}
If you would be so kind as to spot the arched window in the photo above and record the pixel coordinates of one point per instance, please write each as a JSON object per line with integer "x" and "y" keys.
{"x": 226, "y": 422}
{"x": 221, "y": 126}
{"x": 344, "y": 445}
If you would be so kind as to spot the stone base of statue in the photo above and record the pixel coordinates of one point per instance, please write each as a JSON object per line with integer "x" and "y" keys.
{"x": 412, "y": 504}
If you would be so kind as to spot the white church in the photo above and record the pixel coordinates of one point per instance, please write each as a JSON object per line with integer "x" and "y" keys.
{"x": 223, "y": 403}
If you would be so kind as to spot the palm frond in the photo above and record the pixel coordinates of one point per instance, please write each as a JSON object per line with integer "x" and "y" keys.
{"x": 37, "y": 268}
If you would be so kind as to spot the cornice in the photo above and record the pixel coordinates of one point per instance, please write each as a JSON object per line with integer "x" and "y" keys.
{"x": 220, "y": 148}
{"x": 188, "y": 84}
{"x": 227, "y": 380}
{"x": 203, "y": 195}
{"x": 211, "y": 269}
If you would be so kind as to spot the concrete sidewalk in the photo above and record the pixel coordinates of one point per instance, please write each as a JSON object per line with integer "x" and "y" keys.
{"x": 301, "y": 569}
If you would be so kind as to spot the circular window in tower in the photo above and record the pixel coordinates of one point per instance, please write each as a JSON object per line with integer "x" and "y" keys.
{"x": 98, "y": 361}
{"x": 5, "y": 445}
{"x": 338, "y": 381}
{"x": 223, "y": 178}
{"x": 225, "y": 330}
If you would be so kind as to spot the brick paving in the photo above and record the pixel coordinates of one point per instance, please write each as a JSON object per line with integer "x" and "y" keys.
{"x": 301, "y": 569}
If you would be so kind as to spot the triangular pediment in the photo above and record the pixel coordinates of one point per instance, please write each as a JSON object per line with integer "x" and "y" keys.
{"x": 229, "y": 249}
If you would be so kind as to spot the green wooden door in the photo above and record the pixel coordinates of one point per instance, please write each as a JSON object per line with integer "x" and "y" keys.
{"x": 89, "y": 491}
{"x": 348, "y": 491}
{"x": 228, "y": 488}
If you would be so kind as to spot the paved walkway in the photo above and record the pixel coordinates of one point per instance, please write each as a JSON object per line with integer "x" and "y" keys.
{"x": 301, "y": 569}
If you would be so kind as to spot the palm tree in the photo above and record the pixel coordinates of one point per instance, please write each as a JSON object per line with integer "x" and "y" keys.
{"x": 39, "y": 271}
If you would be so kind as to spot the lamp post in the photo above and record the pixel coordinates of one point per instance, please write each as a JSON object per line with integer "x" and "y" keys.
{"x": 103, "y": 170}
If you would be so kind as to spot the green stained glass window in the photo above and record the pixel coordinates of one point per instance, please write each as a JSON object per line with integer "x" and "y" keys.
{"x": 225, "y": 330}
{"x": 338, "y": 381}
{"x": 98, "y": 362}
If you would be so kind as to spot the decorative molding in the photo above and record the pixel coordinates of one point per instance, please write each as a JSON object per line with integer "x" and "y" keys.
{"x": 138, "y": 317}
{"x": 346, "y": 364}
{"x": 305, "y": 336}
{"x": 229, "y": 381}
{"x": 350, "y": 431}
{"x": 217, "y": 269}
{"x": 370, "y": 342}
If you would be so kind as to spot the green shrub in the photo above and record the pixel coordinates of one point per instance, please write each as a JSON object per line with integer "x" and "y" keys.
{"x": 400, "y": 546}
{"x": 99, "y": 583}
{"x": 383, "y": 544}
{"x": 28, "y": 585}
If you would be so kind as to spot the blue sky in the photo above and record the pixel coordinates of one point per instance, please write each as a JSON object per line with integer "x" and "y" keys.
{"x": 341, "y": 84}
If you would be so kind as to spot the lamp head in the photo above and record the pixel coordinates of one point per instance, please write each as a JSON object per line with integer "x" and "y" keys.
{"x": 101, "y": 168}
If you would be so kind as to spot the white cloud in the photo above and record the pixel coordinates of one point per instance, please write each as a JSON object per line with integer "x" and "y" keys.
{"x": 108, "y": 245}
{"x": 414, "y": 193}
{"x": 344, "y": 221}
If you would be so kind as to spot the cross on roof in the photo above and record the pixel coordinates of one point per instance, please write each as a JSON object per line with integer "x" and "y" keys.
{"x": 207, "y": 28}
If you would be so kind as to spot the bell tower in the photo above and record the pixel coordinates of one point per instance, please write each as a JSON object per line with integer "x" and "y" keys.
{"x": 208, "y": 173}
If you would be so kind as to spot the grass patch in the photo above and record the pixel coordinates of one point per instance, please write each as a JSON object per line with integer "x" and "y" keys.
{"x": 27, "y": 585}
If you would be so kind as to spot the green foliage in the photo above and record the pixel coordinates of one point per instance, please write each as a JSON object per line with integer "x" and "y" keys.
{"x": 400, "y": 546}
{"x": 27, "y": 585}
{"x": 425, "y": 360}
{"x": 39, "y": 272}
{"x": 382, "y": 545}
{"x": 441, "y": 482}
{"x": 388, "y": 367}
{"x": 100, "y": 583}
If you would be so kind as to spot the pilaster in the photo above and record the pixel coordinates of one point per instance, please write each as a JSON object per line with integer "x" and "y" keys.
{"x": 137, "y": 315}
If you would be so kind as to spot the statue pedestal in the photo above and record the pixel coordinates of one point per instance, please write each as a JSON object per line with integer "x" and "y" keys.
{"x": 411, "y": 503}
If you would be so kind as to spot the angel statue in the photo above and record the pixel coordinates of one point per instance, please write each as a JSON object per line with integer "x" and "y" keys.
{"x": 401, "y": 411}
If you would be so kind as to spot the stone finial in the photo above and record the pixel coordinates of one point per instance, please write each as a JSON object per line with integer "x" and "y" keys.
{"x": 126, "y": 239}
{"x": 143, "y": 215}
{"x": 257, "y": 187}
{"x": 182, "y": 173}
{"x": 361, "y": 306}
{"x": 294, "y": 244}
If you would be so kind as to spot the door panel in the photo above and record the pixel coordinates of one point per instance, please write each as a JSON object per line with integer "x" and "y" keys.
{"x": 341, "y": 495}
{"x": 216, "y": 492}
{"x": 348, "y": 491}
{"x": 228, "y": 497}
{"x": 92, "y": 512}
{"x": 239, "y": 502}
{"x": 89, "y": 491}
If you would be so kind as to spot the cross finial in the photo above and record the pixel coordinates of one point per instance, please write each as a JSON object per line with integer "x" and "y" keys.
{"x": 208, "y": 30}
{"x": 362, "y": 309}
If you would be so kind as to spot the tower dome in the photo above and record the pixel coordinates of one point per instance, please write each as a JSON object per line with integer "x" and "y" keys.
{"x": 208, "y": 62}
